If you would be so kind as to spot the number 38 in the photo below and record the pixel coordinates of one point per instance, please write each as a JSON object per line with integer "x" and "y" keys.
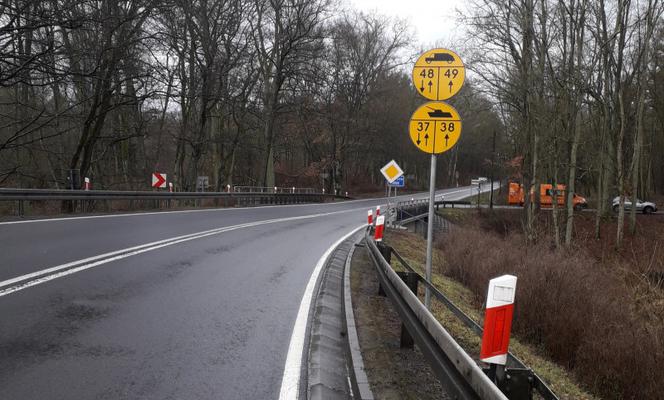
{"x": 447, "y": 127}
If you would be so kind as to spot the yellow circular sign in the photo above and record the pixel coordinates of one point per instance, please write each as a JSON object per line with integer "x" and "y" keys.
{"x": 435, "y": 127}
{"x": 439, "y": 74}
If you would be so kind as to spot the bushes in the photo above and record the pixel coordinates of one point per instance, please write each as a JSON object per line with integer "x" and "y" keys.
{"x": 581, "y": 313}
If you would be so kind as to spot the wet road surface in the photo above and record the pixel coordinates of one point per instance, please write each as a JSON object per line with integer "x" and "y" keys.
{"x": 208, "y": 317}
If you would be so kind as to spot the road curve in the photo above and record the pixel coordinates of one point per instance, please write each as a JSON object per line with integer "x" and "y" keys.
{"x": 202, "y": 307}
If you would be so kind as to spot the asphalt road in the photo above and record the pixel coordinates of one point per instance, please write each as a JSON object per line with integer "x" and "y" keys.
{"x": 164, "y": 315}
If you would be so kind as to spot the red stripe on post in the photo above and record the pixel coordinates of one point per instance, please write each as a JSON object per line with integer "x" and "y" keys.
{"x": 497, "y": 328}
{"x": 380, "y": 225}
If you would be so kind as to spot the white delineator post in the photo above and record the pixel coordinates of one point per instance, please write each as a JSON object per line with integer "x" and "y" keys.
{"x": 377, "y": 211}
{"x": 170, "y": 187}
{"x": 370, "y": 217}
{"x": 498, "y": 320}
{"x": 380, "y": 225}
{"x": 228, "y": 188}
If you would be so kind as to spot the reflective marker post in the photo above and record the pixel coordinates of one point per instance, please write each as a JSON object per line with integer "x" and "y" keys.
{"x": 432, "y": 200}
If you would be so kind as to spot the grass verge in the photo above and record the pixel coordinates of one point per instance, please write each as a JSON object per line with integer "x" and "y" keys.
{"x": 412, "y": 248}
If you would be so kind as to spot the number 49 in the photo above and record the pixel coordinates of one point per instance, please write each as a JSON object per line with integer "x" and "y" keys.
{"x": 452, "y": 73}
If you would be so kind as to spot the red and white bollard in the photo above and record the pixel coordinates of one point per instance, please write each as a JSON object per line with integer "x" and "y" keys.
{"x": 377, "y": 211}
{"x": 380, "y": 225}
{"x": 87, "y": 185}
{"x": 370, "y": 217}
{"x": 498, "y": 323}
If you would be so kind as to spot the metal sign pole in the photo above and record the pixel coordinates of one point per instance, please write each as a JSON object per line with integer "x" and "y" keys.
{"x": 432, "y": 200}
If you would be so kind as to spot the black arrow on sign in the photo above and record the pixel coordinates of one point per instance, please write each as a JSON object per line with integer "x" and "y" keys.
{"x": 426, "y": 139}
{"x": 418, "y": 138}
{"x": 450, "y": 85}
{"x": 446, "y": 139}
{"x": 430, "y": 84}
{"x": 422, "y": 87}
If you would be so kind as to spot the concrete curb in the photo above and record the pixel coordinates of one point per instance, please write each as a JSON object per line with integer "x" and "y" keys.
{"x": 360, "y": 384}
{"x": 328, "y": 374}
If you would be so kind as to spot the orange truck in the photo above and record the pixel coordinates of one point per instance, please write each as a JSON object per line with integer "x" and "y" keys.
{"x": 515, "y": 196}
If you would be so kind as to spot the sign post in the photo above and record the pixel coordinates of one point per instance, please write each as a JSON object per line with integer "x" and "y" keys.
{"x": 435, "y": 127}
{"x": 400, "y": 182}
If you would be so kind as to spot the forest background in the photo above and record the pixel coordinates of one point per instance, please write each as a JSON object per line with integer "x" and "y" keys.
{"x": 315, "y": 94}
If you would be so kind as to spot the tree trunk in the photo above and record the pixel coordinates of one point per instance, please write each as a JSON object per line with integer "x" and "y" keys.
{"x": 620, "y": 171}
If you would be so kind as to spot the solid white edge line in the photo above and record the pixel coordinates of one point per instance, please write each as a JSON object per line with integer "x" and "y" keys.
{"x": 66, "y": 269}
{"x": 290, "y": 382}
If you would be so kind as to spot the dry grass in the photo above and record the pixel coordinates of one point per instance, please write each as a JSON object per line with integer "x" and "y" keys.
{"x": 412, "y": 248}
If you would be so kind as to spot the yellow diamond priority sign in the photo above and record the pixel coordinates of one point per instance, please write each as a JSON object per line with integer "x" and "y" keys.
{"x": 391, "y": 171}
{"x": 435, "y": 127}
{"x": 439, "y": 74}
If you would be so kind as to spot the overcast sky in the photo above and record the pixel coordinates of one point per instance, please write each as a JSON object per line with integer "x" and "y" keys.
{"x": 434, "y": 22}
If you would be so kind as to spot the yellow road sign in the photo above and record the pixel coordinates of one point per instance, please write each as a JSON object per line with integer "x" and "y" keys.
{"x": 435, "y": 127}
{"x": 391, "y": 171}
{"x": 439, "y": 74}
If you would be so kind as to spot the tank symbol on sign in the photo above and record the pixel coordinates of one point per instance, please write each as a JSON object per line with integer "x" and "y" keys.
{"x": 440, "y": 57}
{"x": 438, "y": 113}
{"x": 435, "y": 127}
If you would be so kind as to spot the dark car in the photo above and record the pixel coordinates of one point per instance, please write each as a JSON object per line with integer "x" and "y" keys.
{"x": 440, "y": 57}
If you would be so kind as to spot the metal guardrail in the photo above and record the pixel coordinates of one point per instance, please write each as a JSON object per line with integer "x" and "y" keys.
{"x": 454, "y": 368}
{"x": 229, "y": 199}
{"x": 413, "y": 209}
{"x": 417, "y": 211}
{"x": 538, "y": 384}
{"x": 276, "y": 189}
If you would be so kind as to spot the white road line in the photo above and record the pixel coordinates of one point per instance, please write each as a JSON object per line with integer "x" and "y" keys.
{"x": 290, "y": 382}
{"x": 35, "y": 278}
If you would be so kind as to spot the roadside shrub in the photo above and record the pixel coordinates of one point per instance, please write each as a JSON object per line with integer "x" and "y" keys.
{"x": 583, "y": 314}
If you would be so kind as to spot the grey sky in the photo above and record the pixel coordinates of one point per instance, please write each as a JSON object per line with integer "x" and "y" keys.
{"x": 434, "y": 22}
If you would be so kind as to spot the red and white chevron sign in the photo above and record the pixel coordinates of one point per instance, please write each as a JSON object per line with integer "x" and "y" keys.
{"x": 158, "y": 180}
{"x": 498, "y": 319}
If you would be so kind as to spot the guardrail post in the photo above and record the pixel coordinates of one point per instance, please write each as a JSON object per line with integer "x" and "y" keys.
{"x": 386, "y": 252}
{"x": 21, "y": 210}
{"x": 411, "y": 281}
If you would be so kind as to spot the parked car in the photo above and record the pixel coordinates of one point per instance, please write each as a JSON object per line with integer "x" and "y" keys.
{"x": 646, "y": 207}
